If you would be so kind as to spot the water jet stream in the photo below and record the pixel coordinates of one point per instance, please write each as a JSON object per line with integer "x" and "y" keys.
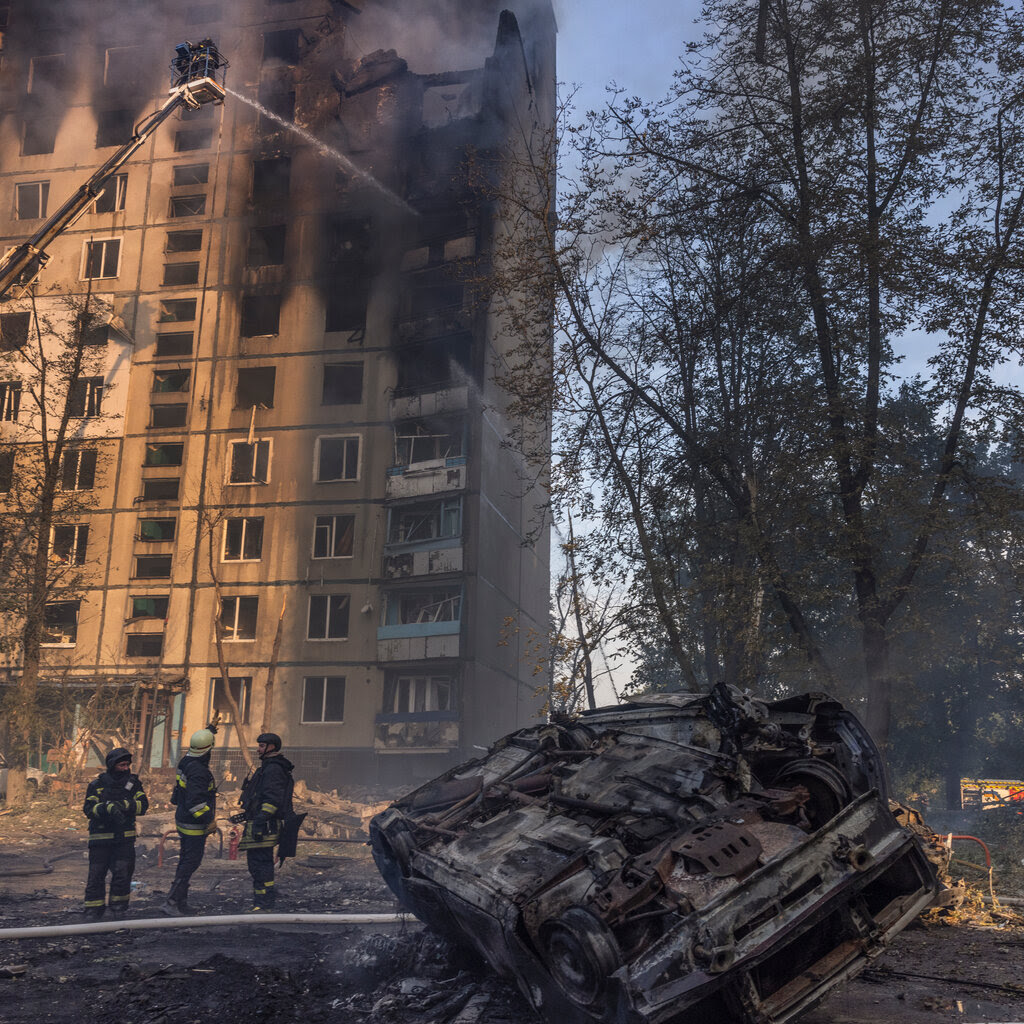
{"x": 328, "y": 151}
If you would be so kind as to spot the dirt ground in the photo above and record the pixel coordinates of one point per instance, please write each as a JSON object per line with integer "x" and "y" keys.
{"x": 968, "y": 968}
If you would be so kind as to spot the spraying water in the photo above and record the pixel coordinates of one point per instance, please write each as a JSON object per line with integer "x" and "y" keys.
{"x": 328, "y": 151}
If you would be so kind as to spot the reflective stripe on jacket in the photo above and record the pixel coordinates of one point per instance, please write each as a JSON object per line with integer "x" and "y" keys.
{"x": 108, "y": 798}
{"x": 194, "y": 797}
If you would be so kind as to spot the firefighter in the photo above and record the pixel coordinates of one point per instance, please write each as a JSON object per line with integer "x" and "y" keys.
{"x": 266, "y": 801}
{"x": 112, "y": 802}
{"x": 195, "y": 816}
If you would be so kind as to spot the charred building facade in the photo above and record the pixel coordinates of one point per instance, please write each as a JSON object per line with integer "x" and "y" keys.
{"x": 293, "y": 433}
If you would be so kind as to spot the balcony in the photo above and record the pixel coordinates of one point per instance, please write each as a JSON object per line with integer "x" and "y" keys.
{"x": 415, "y": 732}
{"x": 453, "y": 398}
{"x": 424, "y": 562}
{"x": 418, "y": 641}
{"x": 421, "y": 479}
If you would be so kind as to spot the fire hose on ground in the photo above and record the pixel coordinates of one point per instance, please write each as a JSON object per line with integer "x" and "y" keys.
{"x": 212, "y": 921}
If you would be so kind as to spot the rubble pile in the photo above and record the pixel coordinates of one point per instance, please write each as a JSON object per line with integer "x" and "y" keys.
{"x": 332, "y": 816}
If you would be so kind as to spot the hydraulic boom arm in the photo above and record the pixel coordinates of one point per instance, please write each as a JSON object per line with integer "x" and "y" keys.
{"x": 194, "y": 82}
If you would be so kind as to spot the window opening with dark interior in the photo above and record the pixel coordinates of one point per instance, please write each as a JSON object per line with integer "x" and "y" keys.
{"x": 425, "y": 521}
{"x": 266, "y": 246}
{"x": 347, "y": 300}
{"x": 144, "y": 645}
{"x": 155, "y": 530}
{"x": 170, "y": 415}
{"x": 192, "y": 138}
{"x": 255, "y": 387}
{"x": 277, "y": 100}
{"x": 188, "y": 206}
{"x": 323, "y": 697}
{"x": 102, "y": 258}
{"x": 171, "y": 381}
{"x": 114, "y": 127}
{"x": 177, "y": 274}
{"x": 337, "y": 458}
{"x": 261, "y": 315}
{"x": 174, "y": 345}
{"x": 86, "y": 397}
{"x": 281, "y": 47}
{"x": 164, "y": 454}
{"x": 240, "y": 689}
{"x": 184, "y": 241}
{"x": 162, "y": 489}
{"x": 10, "y": 400}
{"x": 173, "y": 311}
{"x": 243, "y": 539}
{"x": 30, "y": 199}
{"x": 250, "y": 463}
{"x": 14, "y": 328}
{"x": 191, "y": 174}
{"x": 92, "y": 328}
{"x": 238, "y": 617}
{"x": 333, "y": 536}
{"x": 68, "y": 544}
{"x": 78, "y": 469}
{"x": 343, "y": 383}
{"x": 113, "y": 196}
{"x": 428, "y": 440}
{"x": 152, "y": 567}
{"x": 149, "y": 606}
{"x": 40, "y": 136}
{"x": 271, "y": 179}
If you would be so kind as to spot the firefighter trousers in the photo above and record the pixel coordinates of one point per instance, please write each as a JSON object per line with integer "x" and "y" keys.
{"x": 191, "y": 856}
{"x": 118, "y": 858}
{"x": 261, "y": 867}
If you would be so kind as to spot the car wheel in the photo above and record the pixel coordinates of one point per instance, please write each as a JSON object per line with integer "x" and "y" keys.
{"x": 581, "y": 954}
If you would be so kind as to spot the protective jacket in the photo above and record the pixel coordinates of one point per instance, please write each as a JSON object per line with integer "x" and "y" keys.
{"x": 194, "y": 797}
{"x": 112, "y": 803}
{"x": 266, "y": 801}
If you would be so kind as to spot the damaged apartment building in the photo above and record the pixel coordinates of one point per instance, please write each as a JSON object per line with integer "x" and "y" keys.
{"x": 293, "y": 422}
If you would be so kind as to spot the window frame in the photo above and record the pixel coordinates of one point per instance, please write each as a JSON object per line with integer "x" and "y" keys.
{"x": 161, "y": 559}
{"x": 77, "y": 548}
{"x": 244, "y": 699}
{"x": 156, "y": 519}
{"x": 187, "y": 206}
{"x": 10, "y": 400}
{"x": 256, "y": 445}
{"x": 332, "y": 535}
{"x": 78, "y": 453}
{"x": 317, "y": 457}
{"x": 134, "y": 615}
{"x": 393, "y": 689}
{"x": 130, "y": 639}
{"x": 327, "y": 598}
{"x": 243, "y": 538}
{"x": 47, "y": 627}
{"x": 87, "y": 247}
{"x": 229, "y": 633}
{"x": 92, "y": 390}
{"x": 120, "y": 194}
{"x": 42, "y": 187}
{"x": 322, "y": 720}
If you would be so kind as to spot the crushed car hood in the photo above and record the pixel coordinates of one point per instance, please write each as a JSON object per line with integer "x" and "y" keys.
{"x": 678, "y": 859}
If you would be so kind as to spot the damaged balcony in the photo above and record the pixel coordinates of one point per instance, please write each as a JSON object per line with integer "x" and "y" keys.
{"x": 419, "y": 715}
{"x": 424, "y": 538}
{"x": 429, "y": 457}
{"x": 419, "y": 624}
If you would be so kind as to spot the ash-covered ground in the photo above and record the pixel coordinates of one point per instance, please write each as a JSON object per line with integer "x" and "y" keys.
{"x": 966, "y": 966}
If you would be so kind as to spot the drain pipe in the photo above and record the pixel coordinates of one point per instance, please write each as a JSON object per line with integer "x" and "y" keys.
{"x": 219, "y": 921}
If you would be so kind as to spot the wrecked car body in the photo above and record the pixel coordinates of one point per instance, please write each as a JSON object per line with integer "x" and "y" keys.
{"x": 682, "y": 858}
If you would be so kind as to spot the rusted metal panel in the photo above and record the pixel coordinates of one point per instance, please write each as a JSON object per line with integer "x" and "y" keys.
{"x": 688, "y": 858}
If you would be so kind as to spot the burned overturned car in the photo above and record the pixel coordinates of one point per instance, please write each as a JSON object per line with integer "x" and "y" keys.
{"x": 683, "y": 858}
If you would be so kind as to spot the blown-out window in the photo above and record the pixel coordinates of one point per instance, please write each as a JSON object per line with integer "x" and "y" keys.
{"x": 249, "y": 463}
{"x": 60, "y": 624}
{"x": 328, "y": 617}
{"x": 238, "y": 617}
{"x": 333, "y": 536}
{"x": 243, "y": 539}
{"x": 323, "y": 699}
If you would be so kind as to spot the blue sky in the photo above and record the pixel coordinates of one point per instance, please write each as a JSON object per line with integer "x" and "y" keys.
{"x": 636, "y": 45}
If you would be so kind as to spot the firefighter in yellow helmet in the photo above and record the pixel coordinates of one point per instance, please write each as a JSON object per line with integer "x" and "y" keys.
{"x": 195, "y": 815}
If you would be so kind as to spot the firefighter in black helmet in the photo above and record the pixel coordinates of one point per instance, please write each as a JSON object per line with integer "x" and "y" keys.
{"x": 112, "y": 802}
{"x": 266, "y": 801}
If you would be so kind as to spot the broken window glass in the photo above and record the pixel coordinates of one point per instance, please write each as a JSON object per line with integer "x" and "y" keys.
{"x": 333, "y": 536}
{"x": 191, "y": 174}
{"x": 60, "y": 624}
{"x": 188, "y": 206}
{"x": 177, "y": 311}
{"x": 428, "y": 440}
{"x": 425, "y": 521}
{"x": 166, "y": 381}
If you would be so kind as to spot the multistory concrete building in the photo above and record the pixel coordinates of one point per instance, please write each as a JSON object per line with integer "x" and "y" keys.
{"x": 292, "y": 421}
